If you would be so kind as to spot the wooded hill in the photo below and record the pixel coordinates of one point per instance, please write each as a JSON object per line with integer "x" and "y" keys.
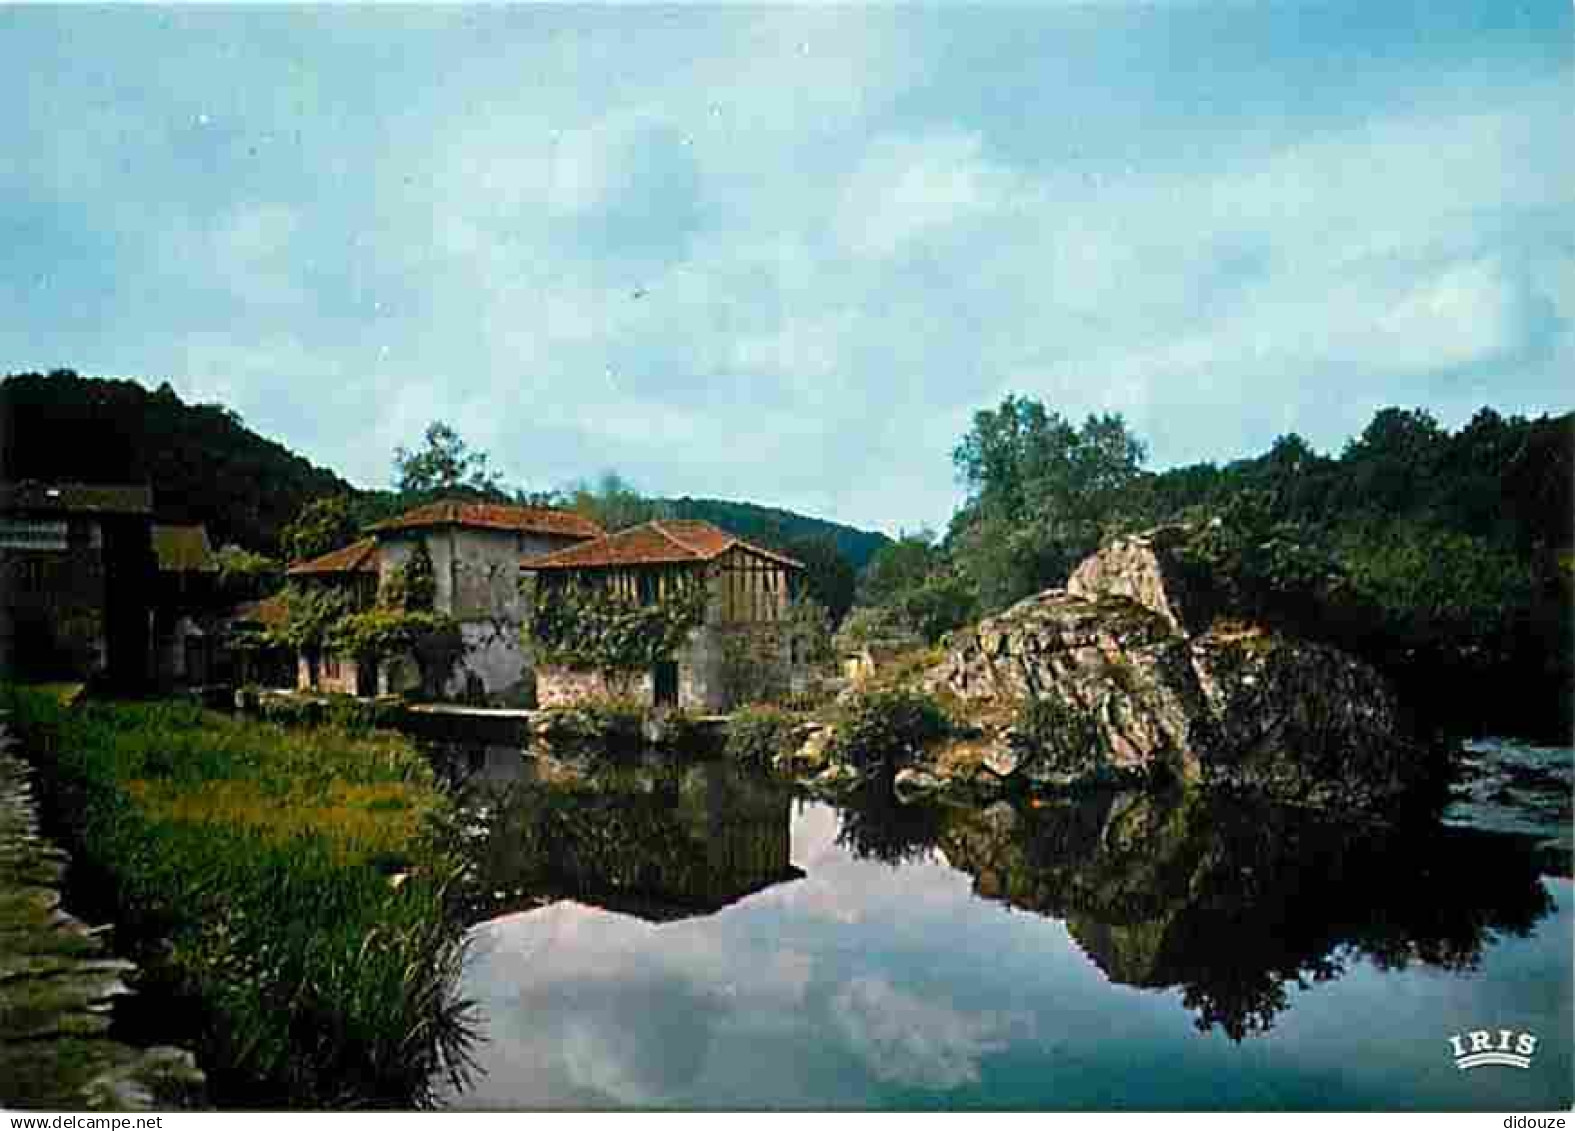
{"x": 206, "y": 466}
{"x": 202, "y": 461}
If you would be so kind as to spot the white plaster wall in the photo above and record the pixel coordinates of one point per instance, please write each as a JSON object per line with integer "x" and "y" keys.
{"x": 477, "y": 579}
{"x": 495, "y": 655}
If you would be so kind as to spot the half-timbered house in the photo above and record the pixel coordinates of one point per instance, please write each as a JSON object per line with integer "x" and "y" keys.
{"x": 749, "y": 590}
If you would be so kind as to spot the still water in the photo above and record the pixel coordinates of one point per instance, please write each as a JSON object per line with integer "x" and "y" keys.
{"x": 663, "y": 937}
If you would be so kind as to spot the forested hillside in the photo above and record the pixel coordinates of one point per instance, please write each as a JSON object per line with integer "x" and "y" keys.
{"x": 775, "y": 526}
{"x": 204, "y": 464}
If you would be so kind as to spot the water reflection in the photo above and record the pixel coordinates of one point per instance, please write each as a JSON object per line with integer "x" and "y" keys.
{"x": 684, "y": 936}
{"x": 1234, "y": 903}
{"x": 657, "y": 841}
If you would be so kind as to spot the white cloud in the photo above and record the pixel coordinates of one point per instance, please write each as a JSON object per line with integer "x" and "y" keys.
{"x": 784, "y": 254}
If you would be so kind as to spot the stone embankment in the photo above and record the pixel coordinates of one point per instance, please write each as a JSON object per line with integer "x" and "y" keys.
{"x": 58, "y": 984}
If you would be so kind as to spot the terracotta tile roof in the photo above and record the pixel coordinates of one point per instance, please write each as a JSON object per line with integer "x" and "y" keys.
{"x": 493, "y": 516}
{"x": 270, "y": 612}
{"x": 183, "y": 549}
{"x": 662, "y": 542}
{"x": 76, "y": 498}
{"x": 358, "y": 557}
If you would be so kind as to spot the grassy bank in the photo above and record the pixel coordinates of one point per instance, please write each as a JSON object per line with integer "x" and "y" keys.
{"x": 280, "y": 887}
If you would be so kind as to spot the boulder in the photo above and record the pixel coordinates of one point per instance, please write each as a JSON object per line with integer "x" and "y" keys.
{"x": 913, "y": 782}
{"x": 1147, "y": 569}
{"x": 1126, "y": 655}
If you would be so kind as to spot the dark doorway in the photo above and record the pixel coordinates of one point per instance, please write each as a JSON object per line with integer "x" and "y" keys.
{"x": 664, "y": 678}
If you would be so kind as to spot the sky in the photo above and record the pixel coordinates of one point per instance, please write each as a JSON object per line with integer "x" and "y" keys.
{"x": 783, "y": 254}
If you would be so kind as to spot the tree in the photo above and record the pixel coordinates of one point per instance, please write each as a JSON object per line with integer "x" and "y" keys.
{"x": 245, "y": 576}
{"x": 897, "y": 567}
{"x": 445, "y": 465}
{"x": 322, "y": 525}
{"x": 829, "y": 578}
{"x": 1041, "y": 494}
{"x": 612, "y": 502}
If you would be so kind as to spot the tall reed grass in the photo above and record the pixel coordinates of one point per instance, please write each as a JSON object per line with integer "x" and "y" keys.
{"x": 284, "y": 890}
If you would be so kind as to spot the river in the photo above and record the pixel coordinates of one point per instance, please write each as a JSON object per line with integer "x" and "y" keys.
{"x": 692, "y": 937}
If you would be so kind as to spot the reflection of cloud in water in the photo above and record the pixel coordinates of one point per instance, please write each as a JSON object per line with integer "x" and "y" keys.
{"x": 906, "y": 1040}
{"x": 586, "y": 1007}
{"x": 583, "y": 1012}
{"x": 636, "y": 1040}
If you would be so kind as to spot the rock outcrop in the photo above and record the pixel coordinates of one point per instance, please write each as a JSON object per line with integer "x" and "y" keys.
{"x": 1133, "y": 650}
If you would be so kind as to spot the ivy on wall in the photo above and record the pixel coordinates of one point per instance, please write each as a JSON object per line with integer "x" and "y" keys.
{"x": 402, "y": 623}
{"x": 589, "y": 628}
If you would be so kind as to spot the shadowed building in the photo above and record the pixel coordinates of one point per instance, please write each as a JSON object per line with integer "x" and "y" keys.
{"x": 77, "y": 581}
{"x": 186, "y": 629}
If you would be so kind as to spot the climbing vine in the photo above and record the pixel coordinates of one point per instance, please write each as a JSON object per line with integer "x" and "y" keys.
{"x": 590, "y": 628}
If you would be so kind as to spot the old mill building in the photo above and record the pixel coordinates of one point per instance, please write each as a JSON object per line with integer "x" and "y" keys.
{"x": 475, "y": 550}
{"x": 746, "y": 612}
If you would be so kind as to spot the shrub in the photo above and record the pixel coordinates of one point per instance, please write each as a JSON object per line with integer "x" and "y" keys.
{"x": 755, "y": 735}
{"x": 887, "y": 727}
{"x": 605, "y": 725}
{"x": 1057, "y": 734}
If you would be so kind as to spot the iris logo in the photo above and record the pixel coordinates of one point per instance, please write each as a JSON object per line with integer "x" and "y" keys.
{"x": 1502, "y": 1047}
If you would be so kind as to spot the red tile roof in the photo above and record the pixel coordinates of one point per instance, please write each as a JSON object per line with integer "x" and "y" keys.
{"x": 662, "y": 542}
{"x": 270, "y": 612}
{"x": 358, "y": 557}
{"x": 76, "y": 498}
{"x": 492, "y": 516}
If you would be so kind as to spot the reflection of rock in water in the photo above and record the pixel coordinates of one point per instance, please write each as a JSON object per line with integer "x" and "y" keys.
{"x": 1235, "y": 903}
{"x": 659, "y": 842}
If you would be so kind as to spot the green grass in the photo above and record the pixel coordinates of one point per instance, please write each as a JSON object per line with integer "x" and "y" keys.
{"x": 249, "y": 866}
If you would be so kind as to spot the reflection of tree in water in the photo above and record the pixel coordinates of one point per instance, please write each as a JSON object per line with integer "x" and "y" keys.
{"x": 874, "y": 825}
{"x": 1236, "y": 903}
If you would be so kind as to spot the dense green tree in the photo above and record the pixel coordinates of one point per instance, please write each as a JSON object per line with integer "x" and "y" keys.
{"x": 898, "y": 567}
{"x": 829, "y": 578}
{"x": 244, "y": 575}
{"x": 1040, "y": 494}
{"x": 444, "y": 464}
{"x": 204, "y": 464}
{"x": 322, "y": 525}
{"x": 613, "y": 502}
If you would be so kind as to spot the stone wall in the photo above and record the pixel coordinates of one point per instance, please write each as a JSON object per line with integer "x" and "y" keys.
{"x": 566, "y": 687}
{"x": 710, "y": 667}
{"x": 496, "y": 660}
{"x": 477, "y": 578}
{"x": 57, "y": 984}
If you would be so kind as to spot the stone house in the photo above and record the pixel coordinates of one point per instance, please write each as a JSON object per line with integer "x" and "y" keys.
{"x": 746, "y": 621}
{"x": 475, "y": 550}
{"x": 353, "y": 571}
{"x": 77, "y": 579}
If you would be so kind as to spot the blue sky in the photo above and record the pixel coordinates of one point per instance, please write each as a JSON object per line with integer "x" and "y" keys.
{"x": 783, "y": 253}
